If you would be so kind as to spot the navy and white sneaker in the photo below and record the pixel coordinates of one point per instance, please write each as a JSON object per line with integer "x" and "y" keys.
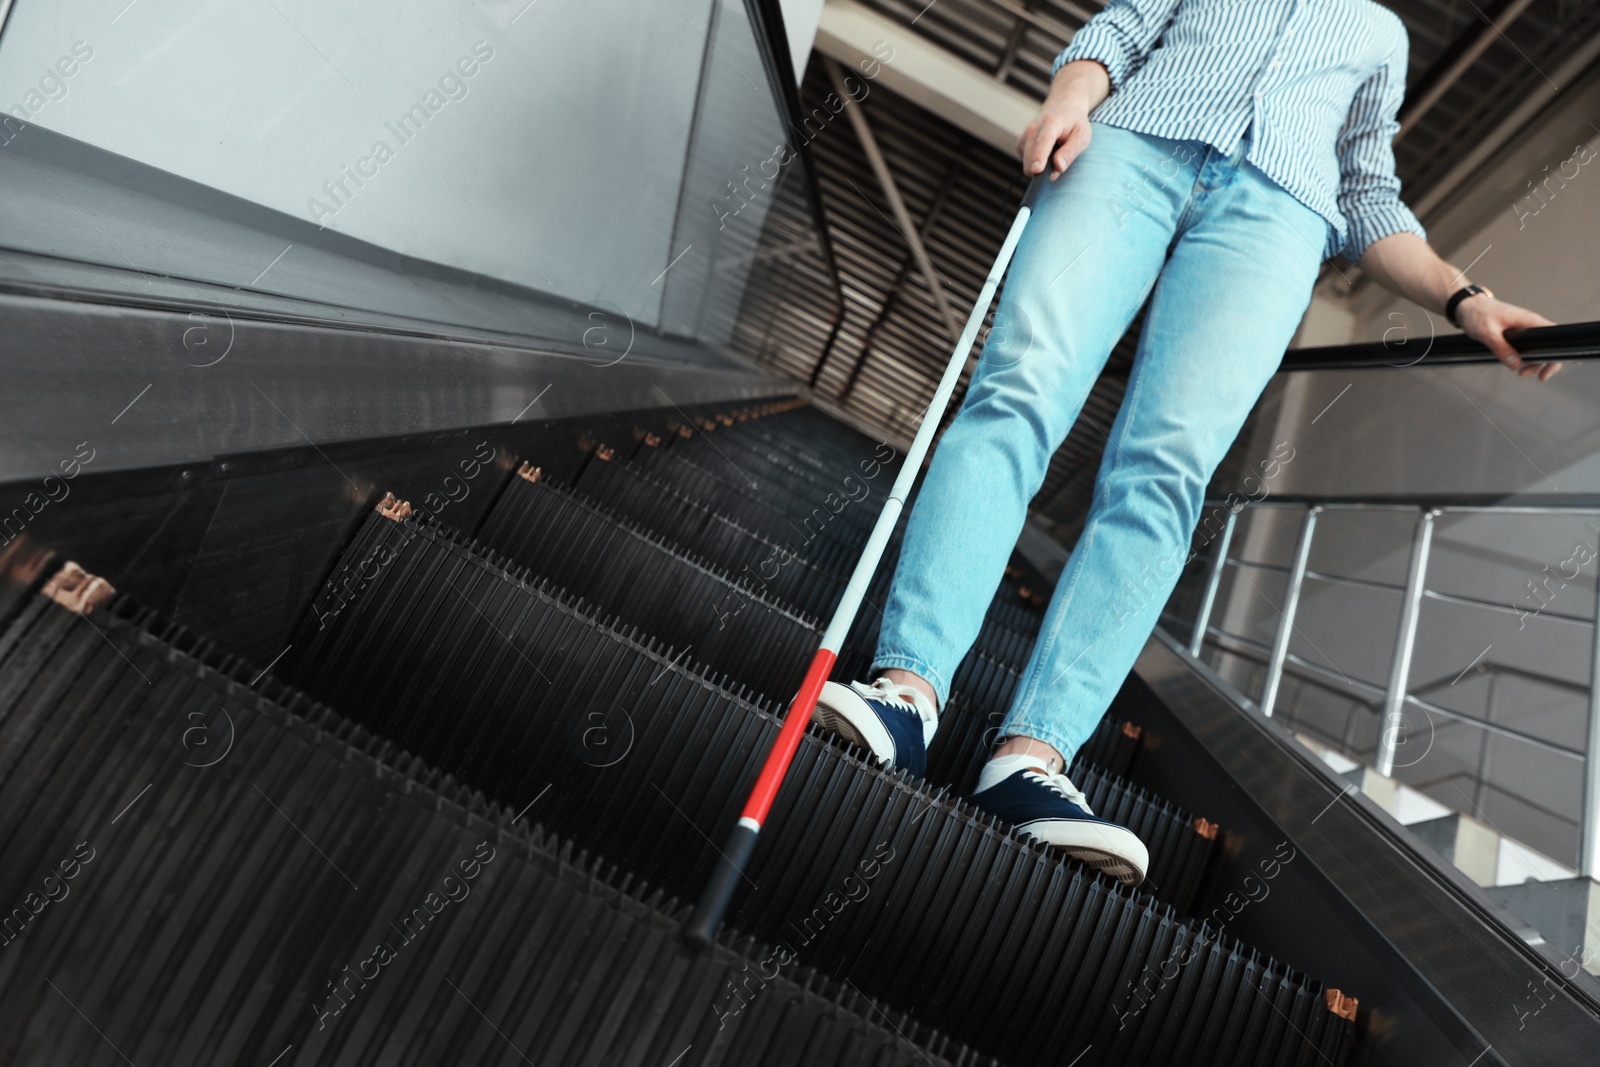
{"x": 1052, "y": 809}
{"x": 893, "y": 722}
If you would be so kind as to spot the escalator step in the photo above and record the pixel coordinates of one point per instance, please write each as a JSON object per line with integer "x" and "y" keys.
{"x": 646, "y": 498}
{"x": 764, "y": 458}
{"x": 786, "y": 559}
{"x": 515, "y": 688}
{"x": 734, "y": 625}
{"x": 689, "y": 604}
{"x": 820, "y": 444}
{"x": 730, "y": 490}
{"x": 314, "y": 894}
{"x": 712, "y": 475}
{"x": 1013, "y": 612}
{"x": 967, "y": 735}
{"x": 589, "y": 553}
{"x": 805, "y": 438}
{"x": 680, "y": 601}
{"x": 396, "y": 639}
{"x": 676, "y": 598}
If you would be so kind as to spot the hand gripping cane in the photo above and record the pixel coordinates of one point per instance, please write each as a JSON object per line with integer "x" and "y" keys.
{"x": 741, "y": 842}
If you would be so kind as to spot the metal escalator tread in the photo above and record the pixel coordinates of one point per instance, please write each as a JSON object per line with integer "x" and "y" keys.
{"x": 589, "y": 554}
{"x": 677, "y": 598}
{"x": 1014, "y": 613}
{"x": 765, "y": 458}
{"x": 731, "y": 622}
{"x": 646, "y": 498}
{"x": 735, "y": 492}
{"x": 663, "y": 509}
{"x": 818, "y": 444}
{"x": 441, "y": 632}
{"x": 734, "y": 467}
{"x": 655, "y": 583}
{"x": 205, "y": 923}
{"x": 713, "y": 475}
{"x": 803, "y": 439}
{"x": 796, "y": 564}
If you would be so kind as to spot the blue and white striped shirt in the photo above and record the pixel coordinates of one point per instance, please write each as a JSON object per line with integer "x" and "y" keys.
{"x": 1317, "y": 82}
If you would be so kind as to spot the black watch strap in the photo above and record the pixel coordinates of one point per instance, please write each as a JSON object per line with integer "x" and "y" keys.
{"x": 1460, "y": 295}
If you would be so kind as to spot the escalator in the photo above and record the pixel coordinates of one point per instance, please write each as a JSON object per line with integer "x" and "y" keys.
{"x": 567, "y": 693}
{"x": 395, "y": 609}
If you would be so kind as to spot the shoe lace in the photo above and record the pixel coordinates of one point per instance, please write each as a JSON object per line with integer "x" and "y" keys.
{"x": 1062, "y": 786}
{"x": 901, "y": 696}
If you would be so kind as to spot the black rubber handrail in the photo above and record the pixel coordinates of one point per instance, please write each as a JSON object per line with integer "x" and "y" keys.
{"x": 1494, "y": 501}
{"x": 1422, "y": 347}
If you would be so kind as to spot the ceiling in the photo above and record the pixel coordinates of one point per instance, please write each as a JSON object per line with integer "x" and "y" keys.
{"x": 879, "y": 358}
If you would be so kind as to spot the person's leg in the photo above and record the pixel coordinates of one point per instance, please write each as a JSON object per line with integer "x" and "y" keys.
{"x": 1086, "y": 262}
{"x": 1084, "y": 266}
{"x": 1228, "y": 301}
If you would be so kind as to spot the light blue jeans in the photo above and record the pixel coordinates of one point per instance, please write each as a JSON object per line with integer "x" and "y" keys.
{"x": 1231, "y": 258}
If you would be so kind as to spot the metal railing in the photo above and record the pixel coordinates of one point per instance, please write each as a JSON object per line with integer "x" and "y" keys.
{"x": 1398, "y": 693}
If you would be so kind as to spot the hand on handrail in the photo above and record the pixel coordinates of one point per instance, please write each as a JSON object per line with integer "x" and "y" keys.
{"x": 1487, "y": 319}
{"x": 1407, "y": 266}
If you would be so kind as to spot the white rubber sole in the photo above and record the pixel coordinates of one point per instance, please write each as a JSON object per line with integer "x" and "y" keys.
{"x": 842, "y": 710}
{"x": 1113, "y": 849}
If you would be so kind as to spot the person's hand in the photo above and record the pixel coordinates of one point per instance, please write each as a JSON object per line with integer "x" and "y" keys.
{"x": 1061, "y": 132}
{"x": 1057, "y": 136}
{"x": 1486, "y": 319}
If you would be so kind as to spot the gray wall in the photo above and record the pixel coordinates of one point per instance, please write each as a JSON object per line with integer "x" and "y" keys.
{"x": 569, "y": 161}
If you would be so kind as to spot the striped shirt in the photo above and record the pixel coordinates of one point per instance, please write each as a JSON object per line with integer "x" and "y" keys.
{"x": 1316, "y": 82}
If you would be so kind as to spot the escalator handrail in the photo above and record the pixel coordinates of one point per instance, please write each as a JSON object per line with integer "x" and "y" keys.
{"x": 1576, "y": 503}
{"x": 1571, "y": 340}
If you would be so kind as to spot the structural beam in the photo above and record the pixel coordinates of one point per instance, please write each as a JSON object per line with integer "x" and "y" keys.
{"x": 930, "y": 77}
{"x": 1460, "y": 58}
{"x": 892, "y": 298}
{"x": 897, "y": 205}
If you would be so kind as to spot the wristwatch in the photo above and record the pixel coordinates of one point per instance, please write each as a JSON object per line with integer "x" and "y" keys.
{"x": 1460, "y": 295}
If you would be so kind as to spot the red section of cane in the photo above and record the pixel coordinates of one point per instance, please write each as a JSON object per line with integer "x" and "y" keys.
{"x": 783, "y": 750}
